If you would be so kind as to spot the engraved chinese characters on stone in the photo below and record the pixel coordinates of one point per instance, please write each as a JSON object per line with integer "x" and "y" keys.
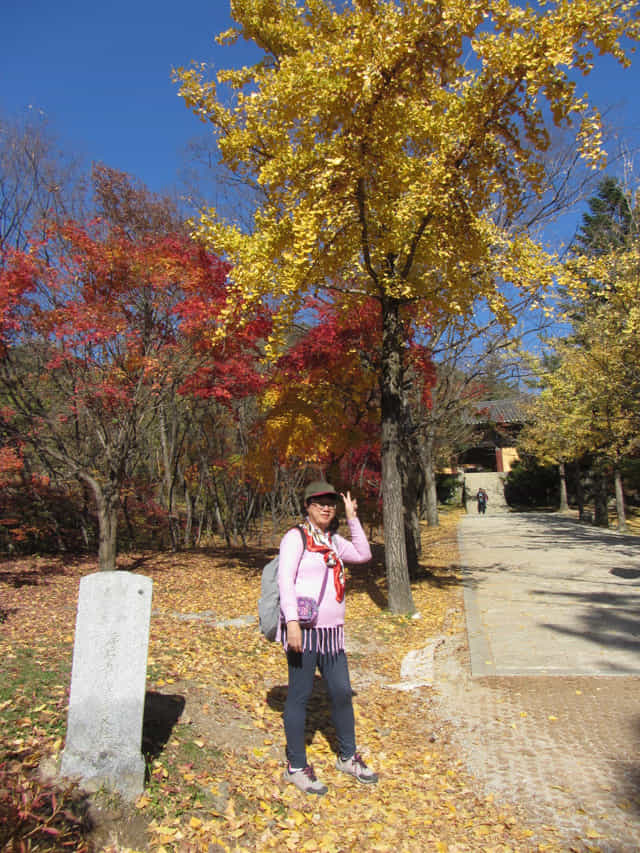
{"x": 106, "y": 707}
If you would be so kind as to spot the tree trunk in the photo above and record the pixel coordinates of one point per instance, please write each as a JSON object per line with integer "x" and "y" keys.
{"x": 601, "y": 499}
{"x": 127, "y": 521}
{"x": 564, "y": 501}
{"x": 430, "y": 489}
{"x": 400, "y": 597}
{"x": 107, "y": 501}
{"x": 411, "y": 489}
{"x": 199, "y": 501}
{"x": 189, "y": 501}
{"x": 431, "y": 496}
{"x": 579, "y": 491}
{"x": 622, "y": 516}
{"x": 169, "y": 471}
{"x": 222, "y": 527}
{"x": 86, "y": 522}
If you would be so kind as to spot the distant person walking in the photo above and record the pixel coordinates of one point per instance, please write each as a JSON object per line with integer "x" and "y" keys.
{"x": 483, "y": 499}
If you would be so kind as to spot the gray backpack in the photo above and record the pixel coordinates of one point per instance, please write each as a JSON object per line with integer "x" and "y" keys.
{"x": 269, "y": 601}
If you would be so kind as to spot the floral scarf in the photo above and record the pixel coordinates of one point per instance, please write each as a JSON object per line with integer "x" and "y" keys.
{"x": 321, "y": 543}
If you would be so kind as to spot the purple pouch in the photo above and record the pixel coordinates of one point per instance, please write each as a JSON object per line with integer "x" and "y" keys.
{"x": 307, "y": 612}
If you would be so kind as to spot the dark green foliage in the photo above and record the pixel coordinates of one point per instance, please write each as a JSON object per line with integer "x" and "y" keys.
{"x": 612, "y": 224}
{"x": 448, "y": 488}
{"x": 609, "y": 223}
{"x": 529, "y": 484}
{"x": 631, "y": 479}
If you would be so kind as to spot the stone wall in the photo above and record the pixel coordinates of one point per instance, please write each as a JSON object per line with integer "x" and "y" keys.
{"x": 492, "y": 483}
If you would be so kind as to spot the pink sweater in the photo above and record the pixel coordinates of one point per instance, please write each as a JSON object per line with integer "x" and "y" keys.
{"x": 301, "y": 573}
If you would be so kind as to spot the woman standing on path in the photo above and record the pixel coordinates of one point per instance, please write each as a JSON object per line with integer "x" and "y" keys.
{"x": 314, "y": 568}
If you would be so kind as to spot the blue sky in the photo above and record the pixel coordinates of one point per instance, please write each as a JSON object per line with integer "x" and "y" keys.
{"x": 102, "y": 75}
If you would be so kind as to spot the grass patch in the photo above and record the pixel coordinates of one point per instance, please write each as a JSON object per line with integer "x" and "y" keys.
{"x": 34, "y": 693}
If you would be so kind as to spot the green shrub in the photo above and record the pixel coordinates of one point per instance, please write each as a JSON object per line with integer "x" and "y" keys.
{"x": 530, "y": 484}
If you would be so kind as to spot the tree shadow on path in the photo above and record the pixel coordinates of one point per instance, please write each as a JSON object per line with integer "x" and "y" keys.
{"x": 588, "y": 582}
{"x": 553, "y": 530}
{"x": 608, "y": 619}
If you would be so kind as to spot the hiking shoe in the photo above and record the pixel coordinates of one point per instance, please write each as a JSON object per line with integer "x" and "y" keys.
{"x": 306, "y": 780}
{"x": 356, "y": 767}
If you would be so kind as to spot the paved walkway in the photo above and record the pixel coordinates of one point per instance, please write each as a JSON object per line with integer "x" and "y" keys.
{"x": 545, "y": 594}
{"x": 543, "y": 688}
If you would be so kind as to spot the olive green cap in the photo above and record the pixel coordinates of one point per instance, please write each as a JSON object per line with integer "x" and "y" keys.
{"x": 317, "y": 488}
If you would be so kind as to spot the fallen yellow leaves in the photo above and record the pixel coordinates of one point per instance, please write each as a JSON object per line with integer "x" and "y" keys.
{"x": 216, "y": 777}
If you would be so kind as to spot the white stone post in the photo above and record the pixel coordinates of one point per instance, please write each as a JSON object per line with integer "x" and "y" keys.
{"x": 108, "y": 682}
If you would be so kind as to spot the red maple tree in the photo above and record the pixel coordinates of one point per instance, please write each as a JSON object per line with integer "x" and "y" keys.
{"x": 322, "y": 405}
{"x": 97, "y": 329}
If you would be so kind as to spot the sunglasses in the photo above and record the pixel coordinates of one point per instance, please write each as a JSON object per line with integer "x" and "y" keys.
{"x": 331, "y": 502}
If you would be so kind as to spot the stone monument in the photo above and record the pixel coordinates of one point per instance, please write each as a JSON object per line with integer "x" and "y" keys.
{"x": 108, "y": 680}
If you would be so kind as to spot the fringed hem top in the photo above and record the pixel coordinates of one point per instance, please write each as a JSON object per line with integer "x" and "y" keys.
{"x": 328, "y": 641}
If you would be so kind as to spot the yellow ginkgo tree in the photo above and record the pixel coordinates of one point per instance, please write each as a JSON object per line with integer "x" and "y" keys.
{"x": 589, "y": 403}
{"x": 382, "y": 138}
{"x": 601, "y": 363}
